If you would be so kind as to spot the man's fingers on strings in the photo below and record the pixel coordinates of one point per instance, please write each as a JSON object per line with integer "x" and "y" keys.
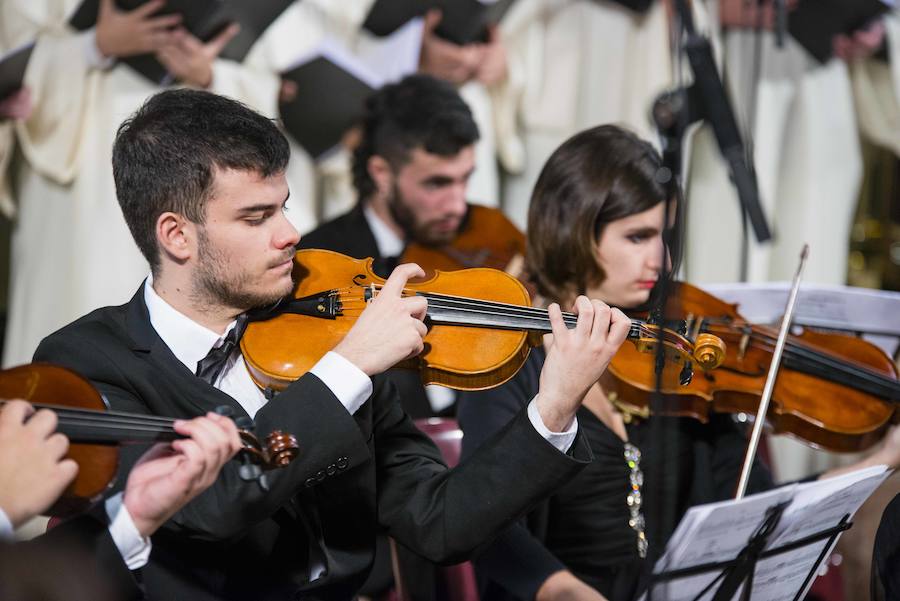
{"x": 602, "y": 317}
{"x": 13, "y": 413}
{"x": 421, "y": 328}
{"x": 557, "y": 325}
{"x": 417, "y": 306}
{"x": 585, "y": 311}
{"x": 43, "y": 423}
{"x": 67, "y": 469}
{"x": 398, "y": 278}
{"x": 194, "y": 460}
{"x": 157, "y": 451}
{"x": 620, "y": 325}
{"x": 210, "y": 438}
{"x": 57, "y": 446}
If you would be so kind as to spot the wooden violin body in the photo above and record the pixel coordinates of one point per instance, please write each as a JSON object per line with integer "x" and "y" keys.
{"x": 481, "y": 325}
{"x": 486, "y": 239}
{"x": 276, "y": 359}
{"x": 833, "y": 391}
{"x": 97, "y": 463}
{"x": 95, "y": 433}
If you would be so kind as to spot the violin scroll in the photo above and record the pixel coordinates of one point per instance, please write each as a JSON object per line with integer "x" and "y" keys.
{"x": 709, "y": 351}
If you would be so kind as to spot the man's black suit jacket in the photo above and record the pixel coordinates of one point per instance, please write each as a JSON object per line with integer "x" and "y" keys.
{"x": 355, "y": 474}
{"x": 349, "y": 234}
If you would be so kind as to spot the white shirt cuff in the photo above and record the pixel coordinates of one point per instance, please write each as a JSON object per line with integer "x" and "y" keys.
{"x": 348, "y": 383}
{"x": 6, "y": 527}
{"x": 134, "y": 548}
{"x": 560, "y": 440}
{"x": 95, "y": 58}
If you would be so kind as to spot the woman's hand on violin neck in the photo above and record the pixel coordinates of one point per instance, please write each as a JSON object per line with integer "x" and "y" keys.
{"x": 576, "y": 358}
{"x": 33, "y": 471}
{"x": 169, "y": 475}
{"x": 390, "y": 329}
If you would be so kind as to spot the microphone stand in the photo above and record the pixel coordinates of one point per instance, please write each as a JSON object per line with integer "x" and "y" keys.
{"x": 673, "y": 112}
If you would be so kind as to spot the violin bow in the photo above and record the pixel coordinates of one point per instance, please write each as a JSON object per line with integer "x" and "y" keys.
{"x": 770, "y": 378}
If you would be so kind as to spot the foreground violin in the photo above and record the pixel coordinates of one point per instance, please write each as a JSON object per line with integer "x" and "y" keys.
{"x": 833, "y": 391}
{"x": 96, "y": 433}
{"x": 481, "y": 325}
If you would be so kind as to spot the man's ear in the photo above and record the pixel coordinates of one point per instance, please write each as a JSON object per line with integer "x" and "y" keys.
{"x": 381, "y": 173}
{"x": 176, "y": 237}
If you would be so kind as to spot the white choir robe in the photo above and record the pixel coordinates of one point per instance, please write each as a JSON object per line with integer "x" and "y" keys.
{"x": 574, "y": 64}
{"x": 71, "y": 249}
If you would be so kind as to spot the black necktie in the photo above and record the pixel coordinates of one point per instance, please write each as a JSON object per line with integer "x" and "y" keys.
{"x": 210, "y": 367}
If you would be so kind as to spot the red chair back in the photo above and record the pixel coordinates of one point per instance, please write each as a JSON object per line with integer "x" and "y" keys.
{"x": 456, "y": 582}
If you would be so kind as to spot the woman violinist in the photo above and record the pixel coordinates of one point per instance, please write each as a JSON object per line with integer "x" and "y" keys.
{"x": 595, "y": 227}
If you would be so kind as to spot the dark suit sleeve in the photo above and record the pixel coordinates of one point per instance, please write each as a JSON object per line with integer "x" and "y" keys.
{"x": 326, "y": 433}
{"x": 517, "y": 561}
{"x": 446, "y": 515}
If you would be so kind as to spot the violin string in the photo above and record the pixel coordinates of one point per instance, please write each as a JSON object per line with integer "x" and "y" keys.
{"x": 816, "y": 359}
{"x": 73, "y": 416}
{"x": 480, "y": 307}
{"x": 117, "y": 427}
{"x": 802, "y": 351}
{"x": 107, "y": 415}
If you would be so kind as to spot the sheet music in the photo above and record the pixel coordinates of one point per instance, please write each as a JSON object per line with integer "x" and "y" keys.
{"x": 876, "y": 313}
{"x": 719, "y": 531}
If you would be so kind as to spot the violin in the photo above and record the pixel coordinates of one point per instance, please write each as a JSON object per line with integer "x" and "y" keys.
{"x": 485, "y": 239}
{"x": 481, "y": 325}
{"x": 95, "y": 433}
{"x": 834, "y": 391}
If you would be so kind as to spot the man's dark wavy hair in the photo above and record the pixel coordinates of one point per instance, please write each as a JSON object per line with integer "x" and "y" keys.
{"x": 417, "y": 112}
{"x": 166, "y": 154}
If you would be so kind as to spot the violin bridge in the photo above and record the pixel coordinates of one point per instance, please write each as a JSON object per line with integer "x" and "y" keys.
{"x": 745, "y": 342}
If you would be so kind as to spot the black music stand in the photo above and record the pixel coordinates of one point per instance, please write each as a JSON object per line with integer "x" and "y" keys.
{"x": 740, "y": 570}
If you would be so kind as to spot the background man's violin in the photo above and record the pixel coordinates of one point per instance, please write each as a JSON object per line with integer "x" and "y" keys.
{"x": 96, "y": 433}
{"x": 481, "y": 325}
{"x": 485, "y": 239}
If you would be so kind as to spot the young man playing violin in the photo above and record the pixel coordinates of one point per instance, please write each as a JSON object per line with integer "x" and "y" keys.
{"x": 34, "y": 471}
{"x": 200, "y": 179}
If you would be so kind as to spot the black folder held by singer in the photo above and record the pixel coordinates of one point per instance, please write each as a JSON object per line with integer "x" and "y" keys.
{"x": 463, "y": 21}
{"x": 332, "y": 84}
{"x": 12, "y": 69}
{"x": 813, "y": 23}
{"x": 203, "y": 18}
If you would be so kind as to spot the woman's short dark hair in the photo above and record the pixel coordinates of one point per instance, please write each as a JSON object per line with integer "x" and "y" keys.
{"x": 597, "y": 176}
{"x": 165, "y": 157}
{"x": 416, "y": 112}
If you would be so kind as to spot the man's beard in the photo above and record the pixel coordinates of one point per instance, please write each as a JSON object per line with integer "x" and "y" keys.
{"x": 415, "y": 231}
{"x": 218, "y": 283}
